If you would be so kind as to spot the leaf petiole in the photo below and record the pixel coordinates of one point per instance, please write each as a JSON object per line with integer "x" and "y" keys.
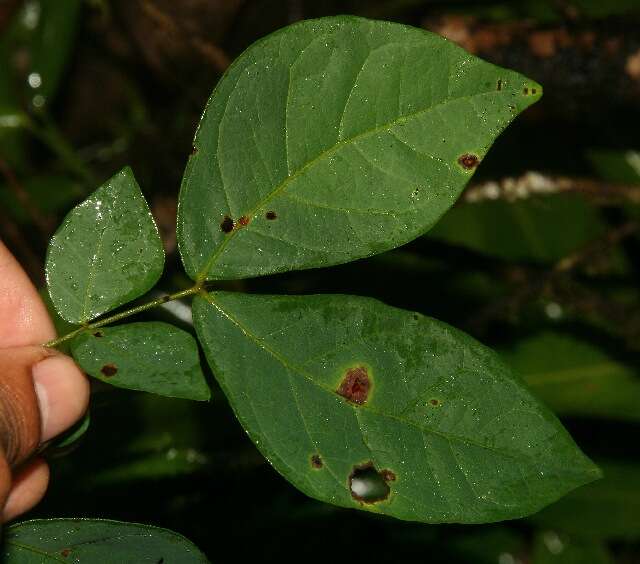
{"x": 124, "y": 314}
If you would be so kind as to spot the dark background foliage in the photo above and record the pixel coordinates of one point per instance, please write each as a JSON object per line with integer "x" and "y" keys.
{"x": 539, "y": 260}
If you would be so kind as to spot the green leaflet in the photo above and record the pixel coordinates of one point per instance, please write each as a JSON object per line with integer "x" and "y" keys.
{"x": 440, "y": 419}
{"x": 576, "y": 378}
{"x": 106, "y": 253}
{"x": 153, "y": 357}
{"x": 335, "y": 139}
{"x": 95, "y": 540}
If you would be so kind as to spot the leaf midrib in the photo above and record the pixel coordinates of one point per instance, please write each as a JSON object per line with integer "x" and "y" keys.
{"x": 308, "y": 376}
{"x": 213, "y": 257}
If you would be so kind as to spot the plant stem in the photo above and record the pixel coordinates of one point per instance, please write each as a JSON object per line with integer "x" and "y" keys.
{"x": 124, "y": 314}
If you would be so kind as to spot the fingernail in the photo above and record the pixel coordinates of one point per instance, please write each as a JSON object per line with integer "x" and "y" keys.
{"x": 39, "y": 372}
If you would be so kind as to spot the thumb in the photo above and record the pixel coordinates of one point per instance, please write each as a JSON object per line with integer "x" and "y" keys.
{"x": 20, "y": 422}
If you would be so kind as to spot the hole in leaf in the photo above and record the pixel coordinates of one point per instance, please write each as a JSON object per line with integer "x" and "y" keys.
{"x": 367, "y": 485}
{"x": 355, "y": 385}
{"x": 271, "y": 215}
{"x": 468, "y": 161}
{"x": 227, "y": 224}
{"x": 109, "y": 370}
{"x": 316, "y": 461}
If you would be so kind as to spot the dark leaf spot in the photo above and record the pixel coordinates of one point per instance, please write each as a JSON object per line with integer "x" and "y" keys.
{"x": 271, "y": 215}
{"x": 98, "y": 334}
{"x": 388, "y": 475}
{"x": 525, "y": 91}
{"x": 227, "y": 224}
{"x": 468, "y": 161}
{"x": 65, "y": 552}
{"x": 416, "y": 317}
{"x": 243, "y": 221}
{"x": 316, "y": 461}
{"x": 434, "y": 402}
{"x": 355, "y": 385}
{"x": 109, "y": 370}
{"x": 533, "y": 91}
{"x": 367, "y": 485}
{"x": 499, "y": 84}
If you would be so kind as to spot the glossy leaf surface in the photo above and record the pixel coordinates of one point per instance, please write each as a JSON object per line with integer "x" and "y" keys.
{"x": 333, "y": 388}
{"x": 106, "y": 253}
{"x": 152, "y": 357}
{"x": 335, "y": 139}
{"x": 574, "y": 377}
{"x": 95, "y": 540}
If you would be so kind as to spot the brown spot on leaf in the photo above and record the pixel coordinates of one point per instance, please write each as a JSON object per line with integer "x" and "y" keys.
{"x": 243, "y": 221}
{"x": 109, "y": 370}
{"x": 434, "y": 402}
{"x": 367, "y": 485}
{"x": 98, "y": 334}
{"x": 65, "y": 552}
{"x": 468, "y": 161}
{"x": 499, "y": 87}
{"x": 316, "y": 461}
{"x": 526, "y": 91}
{"x": 388, "y": 475}
{"x": 271, "y": 215}
{"x": 355, "y": 385}
{"x": 227, "y": 224}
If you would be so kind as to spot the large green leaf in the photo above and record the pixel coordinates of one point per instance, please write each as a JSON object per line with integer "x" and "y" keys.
{"x": 106, "y": 253}
{"x": 367, "y": 406}
{"x": 575, "y": 377}
{"x": 153, "y": 357}
{"x": 335, "y": 139}
{"x": 95, "y": 540}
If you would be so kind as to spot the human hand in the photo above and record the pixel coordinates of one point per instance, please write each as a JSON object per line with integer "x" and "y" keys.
{"x": 42, "y": 392}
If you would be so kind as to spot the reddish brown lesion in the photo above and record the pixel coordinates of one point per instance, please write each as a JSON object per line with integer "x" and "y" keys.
{"x": 468, "y": 161}
{"x": 109, "y": 370}
{"x": 316, "y": 462}
{"x": 356, "y": 385}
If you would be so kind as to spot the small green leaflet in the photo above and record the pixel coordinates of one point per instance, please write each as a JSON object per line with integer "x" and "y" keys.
{"x": 95, "y": 540}
{"x": 333, "y": 388}
{"x": 336, "y": 139}
{"x": 106, "y": 253}
{"x": 153, "y": 357}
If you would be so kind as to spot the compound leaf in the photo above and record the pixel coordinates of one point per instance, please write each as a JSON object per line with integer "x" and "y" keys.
{"x": 367, "y": 406}
{"x": 335, "y": 139}
{"x": 152, "y": 357}
{"x": 106, "y": 253}
{"x": 95, "y": 540}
